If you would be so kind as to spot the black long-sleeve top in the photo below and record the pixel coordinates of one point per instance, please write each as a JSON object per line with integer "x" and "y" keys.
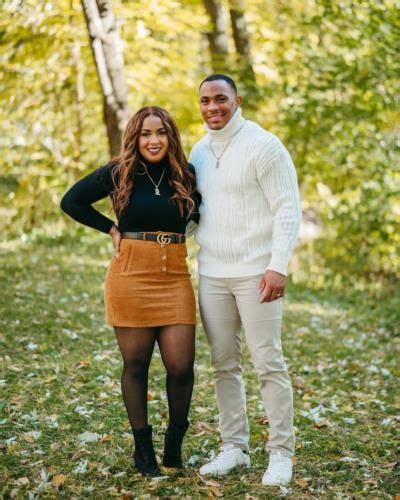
{"x": 146, "y": 211}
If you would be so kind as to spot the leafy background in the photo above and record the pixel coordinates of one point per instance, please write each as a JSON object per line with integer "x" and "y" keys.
{"x": 326, "y": 81}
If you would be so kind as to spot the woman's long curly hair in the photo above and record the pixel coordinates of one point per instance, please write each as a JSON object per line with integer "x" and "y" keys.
{"x": 180, "y": 178}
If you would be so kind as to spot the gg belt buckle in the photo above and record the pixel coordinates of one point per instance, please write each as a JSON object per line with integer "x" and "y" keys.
{"x": 164, "y": 239}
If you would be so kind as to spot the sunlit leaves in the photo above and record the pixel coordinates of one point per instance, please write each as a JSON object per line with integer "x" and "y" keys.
{"x": 327, "y": 75}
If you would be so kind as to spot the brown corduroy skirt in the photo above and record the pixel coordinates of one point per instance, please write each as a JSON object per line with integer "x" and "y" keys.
{"x": 149, "y": 285}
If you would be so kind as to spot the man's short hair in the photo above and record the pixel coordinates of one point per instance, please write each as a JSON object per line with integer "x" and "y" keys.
{"x": 220, "y": 76}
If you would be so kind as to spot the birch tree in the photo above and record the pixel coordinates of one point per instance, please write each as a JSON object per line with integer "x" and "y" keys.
{"x": 107, "y": 51}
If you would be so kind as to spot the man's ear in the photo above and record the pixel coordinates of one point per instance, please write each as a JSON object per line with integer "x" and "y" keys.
{"x": 238, "y": 100}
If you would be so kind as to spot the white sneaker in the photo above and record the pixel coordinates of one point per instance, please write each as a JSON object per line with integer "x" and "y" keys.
{"x": 279, "y": 472}
{"x": 227, "y": 459}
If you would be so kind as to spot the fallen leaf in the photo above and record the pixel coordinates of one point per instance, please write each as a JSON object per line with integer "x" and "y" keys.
{"x": 215, "y": 491}
{"x": 55, "y": 446}
{"x": 348, "y": 459}
{"x": 302, "y": 482}
{"x": 201, "y": 409}
{"x": 212, "y": 483}
{"x": 153, "y": 485}
{"x": 31, "y": 436}
{"x": 22, "y": 481}
{"x": 58, "y": 480}
{"x": 202, "y": 426}
{"x": 88, "y": 437}
{"x": 83, "y": 363}
{"x": 50, "y": 379}
{"x": 193, "y": 460}
{"x": 12, "y": 447}
{"x": 203, "y": 429}
{"x": 82, "y": 467}
{"x": 84, "y": 412}
{"x": 391, "y": 465}
{"x": 372, "y": 482}
{"x": 321, "y": 424}
{"x": 299, "y": 382}
{"x": 79, "y": 454}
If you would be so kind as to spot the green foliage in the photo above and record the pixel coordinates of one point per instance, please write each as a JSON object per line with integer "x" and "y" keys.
{"x": 327, "y": 76}
{"x": 337, "y": 76}
{"x": 40, "y": 146}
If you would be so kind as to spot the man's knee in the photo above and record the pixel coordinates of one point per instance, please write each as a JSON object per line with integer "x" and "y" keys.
{"x": 269, "y": 362}
{"x": 273, "y": 372}
{"x": 226, "y": 366}
{"x": 225, "y": 357}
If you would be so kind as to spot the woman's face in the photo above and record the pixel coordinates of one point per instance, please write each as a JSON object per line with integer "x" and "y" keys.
{"x": 153, "y": 139}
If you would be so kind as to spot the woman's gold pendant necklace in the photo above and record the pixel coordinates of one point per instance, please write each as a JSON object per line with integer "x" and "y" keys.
{"x": 156, "y": 188}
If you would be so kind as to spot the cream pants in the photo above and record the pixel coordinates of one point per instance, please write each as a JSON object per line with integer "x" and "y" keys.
{"x": 226, "y": 304}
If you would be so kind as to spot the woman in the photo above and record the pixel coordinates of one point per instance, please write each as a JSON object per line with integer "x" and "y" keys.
{"x": 148, "y": 294}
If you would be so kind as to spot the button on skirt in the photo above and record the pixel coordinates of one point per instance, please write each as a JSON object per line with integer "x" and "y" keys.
{"x": 149, "y": 285}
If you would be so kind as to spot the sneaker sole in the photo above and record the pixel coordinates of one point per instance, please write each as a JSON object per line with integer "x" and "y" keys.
{"x": 244, "y": 466}
{"x": 276, "y": 483}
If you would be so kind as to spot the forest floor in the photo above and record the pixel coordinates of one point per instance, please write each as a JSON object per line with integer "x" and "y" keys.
{"x": 64, "y": 429}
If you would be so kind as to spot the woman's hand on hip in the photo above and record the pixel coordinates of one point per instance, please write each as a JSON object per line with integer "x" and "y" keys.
{"x": 116, "y": 236}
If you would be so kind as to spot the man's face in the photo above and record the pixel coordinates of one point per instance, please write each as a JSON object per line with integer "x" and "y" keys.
{"x": 218, "y": 102}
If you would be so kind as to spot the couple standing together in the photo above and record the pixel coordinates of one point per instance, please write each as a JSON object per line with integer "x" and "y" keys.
{"x": 240, "y": 187}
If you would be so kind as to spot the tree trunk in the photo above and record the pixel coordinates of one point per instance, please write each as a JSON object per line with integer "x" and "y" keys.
{"x": 107, "y": 51}
{"x": 79, "y": 98}
{"x": 218, "y": 36}
{"x": 79, "y": 93}
{"x": 241, "y": 39}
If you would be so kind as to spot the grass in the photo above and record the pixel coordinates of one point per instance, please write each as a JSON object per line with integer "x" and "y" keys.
{"x": 61, "y": 370}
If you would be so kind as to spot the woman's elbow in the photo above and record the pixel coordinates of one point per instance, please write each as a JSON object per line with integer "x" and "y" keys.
{"x": 65, "y": 203}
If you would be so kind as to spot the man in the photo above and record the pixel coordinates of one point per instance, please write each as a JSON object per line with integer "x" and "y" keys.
{"x": 249, "y": 221}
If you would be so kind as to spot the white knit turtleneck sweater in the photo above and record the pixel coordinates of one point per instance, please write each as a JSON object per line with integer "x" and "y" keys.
{"x": 250, "y": 211}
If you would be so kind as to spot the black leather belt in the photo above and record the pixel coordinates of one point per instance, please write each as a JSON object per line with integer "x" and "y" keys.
{"x": 161, "y": 238}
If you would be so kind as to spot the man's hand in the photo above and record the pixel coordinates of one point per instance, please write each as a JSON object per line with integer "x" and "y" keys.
{"x": 272, "y": 286}
{"x": 116, "y": 237}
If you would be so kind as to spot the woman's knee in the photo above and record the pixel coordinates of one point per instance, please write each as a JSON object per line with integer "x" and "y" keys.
{"x": 180, "y": 371}
{"x": 136, "y": 368}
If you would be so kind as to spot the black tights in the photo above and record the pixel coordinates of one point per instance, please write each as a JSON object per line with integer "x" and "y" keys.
{"x": 176, "y": 343}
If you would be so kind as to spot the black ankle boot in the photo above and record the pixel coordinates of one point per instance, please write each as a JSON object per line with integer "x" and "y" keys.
{"x": 145, "y": 458}
{"x": 173, "y": 445}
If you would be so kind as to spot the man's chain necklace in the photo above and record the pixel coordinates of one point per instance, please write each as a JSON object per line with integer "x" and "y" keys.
{"x": 156, "y": 189}
{"x": 218, "y": 158}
